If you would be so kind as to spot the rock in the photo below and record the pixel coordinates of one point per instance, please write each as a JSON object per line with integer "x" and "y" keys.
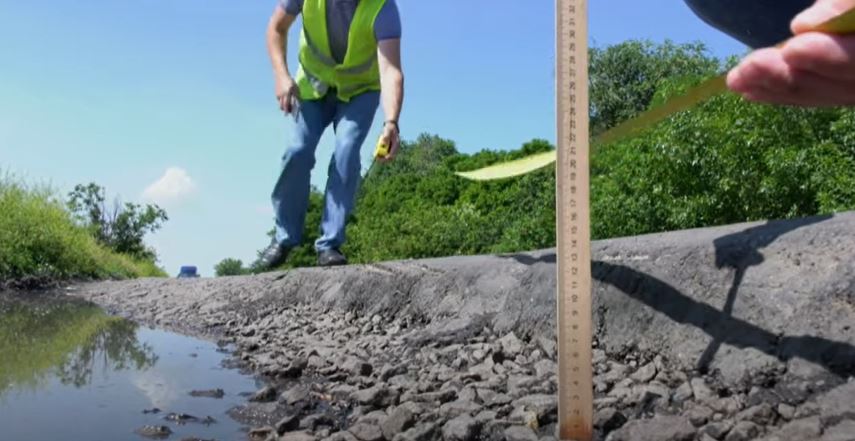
{"x": 341, "y": 436}
{"x": 377, "y": 396}
{"x": 786, "y": 411}
{"x": 261, "y": 433}
{"x": 700, "y": 415}
{"x": 548, "y": 345}
{"x": 443, "y": 396}
{"x": 265, "y": 395}
{"x": 398, "y": 421}
{"x": 761, "y": 414}
{"x": 645, "y": 373}
{"x": 456, "y": 408}
{"x": 660, "y": 428}
{"x": 388, "y": 371}
{"x": 728, "y": 406}
{"x": 312, "y": 422}
{"x": 702, "y": 392}
{"x": 836, "y": 405}
{"x": 545, "y": 368}
{"x": 421, "y": 432}
{"x": 718, "y": 430}
{"x": 357, "y": 367}
{"x": 154, "y": 432}
{"x": 520, "y": 433}
{"x": 180, "y": 418}
{"x": 499, "y": 400}
{"x": 806, "y": 410}
{"x": 341, "y": 390}
{"x": 486, "y": 395}
{"x": 799, "y": 430}
{"x": 621, "y": 393}
{"x": 524, "y": 417}
{"x": 511, "y": 345}
{"x": 461, "y": 428}
{"x": 683, "y": 393}
{"x": 845, "y": 431}
{"x": 297, "y": 436}
{"x": 522, "y": 384}
{"x": 743, "y": 431}
{"x": 609, "y": 420}
{"x": 467, "y": 394}
{"x": 376, "y": 417}
{"x": 652, "y": 396}
{"x": 295, "y": 395}
{"x": 617, "y": 372}
{"x": 544, "y": 406}
{"x": 315, "y": 362}
{"x": 210, "y": 393}
{"x": 366, "y": 432}
{"x": 287, "y": 424}
{"x": 762, "y": 396}
{"x": 295, "y": 368}
{"x": 485, "y": 416}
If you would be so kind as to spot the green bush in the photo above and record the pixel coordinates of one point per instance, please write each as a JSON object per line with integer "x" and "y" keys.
{"x": 230, "y": 267}
{"x": 38, "y": 238}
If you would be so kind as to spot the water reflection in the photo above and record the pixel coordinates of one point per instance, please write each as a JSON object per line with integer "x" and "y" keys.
{"x": 69, "y": 371}
{"x": 65, "y": 340}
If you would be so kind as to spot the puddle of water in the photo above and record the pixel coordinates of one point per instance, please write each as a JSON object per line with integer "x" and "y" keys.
{"x": 68, "y": 371}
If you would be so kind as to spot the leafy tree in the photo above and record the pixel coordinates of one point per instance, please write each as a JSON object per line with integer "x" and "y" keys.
{"x": 121, "y": 227}
{"x": 230, "y": 267}
{"x": 625, "y": 77}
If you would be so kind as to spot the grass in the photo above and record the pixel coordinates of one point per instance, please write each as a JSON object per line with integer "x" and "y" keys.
{"x": 39, "y": 239}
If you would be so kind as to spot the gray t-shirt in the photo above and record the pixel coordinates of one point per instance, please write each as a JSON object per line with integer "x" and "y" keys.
{"x": 340, "y": 14}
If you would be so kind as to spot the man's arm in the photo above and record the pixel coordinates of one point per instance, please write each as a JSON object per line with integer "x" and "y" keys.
{"x": 392, "y": 84}
{"x": 277, "y": 48}
{"x": 812, "y": 69}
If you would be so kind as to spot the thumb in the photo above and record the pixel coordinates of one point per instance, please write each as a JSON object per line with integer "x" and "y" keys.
{"x": 819, "y": 13}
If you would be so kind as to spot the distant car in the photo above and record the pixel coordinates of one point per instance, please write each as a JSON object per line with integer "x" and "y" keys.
{"x": 188, "y": 272}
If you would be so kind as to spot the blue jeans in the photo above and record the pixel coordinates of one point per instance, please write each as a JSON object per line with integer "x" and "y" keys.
{"x": 757, "y": 23}
{"x": 351, "y": 122}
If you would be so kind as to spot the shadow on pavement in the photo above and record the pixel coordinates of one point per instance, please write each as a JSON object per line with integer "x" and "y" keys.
{"x": 739, "y": 251}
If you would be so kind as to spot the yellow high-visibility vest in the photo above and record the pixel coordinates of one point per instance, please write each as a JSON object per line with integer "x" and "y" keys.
{"x": 319, "y": 72}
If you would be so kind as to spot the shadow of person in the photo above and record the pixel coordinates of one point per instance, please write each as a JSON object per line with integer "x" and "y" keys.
{"x": 529, "y": 259}
{"x": 741, "y": 251}
{"x": 836, "y": 357}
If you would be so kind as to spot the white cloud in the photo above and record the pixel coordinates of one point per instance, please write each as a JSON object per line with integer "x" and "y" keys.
{"x": 174, "y": 185}
{"x": 161, "y": 390}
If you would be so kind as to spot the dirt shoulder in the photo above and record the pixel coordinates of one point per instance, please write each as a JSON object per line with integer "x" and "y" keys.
{"x": 725, "y": 333}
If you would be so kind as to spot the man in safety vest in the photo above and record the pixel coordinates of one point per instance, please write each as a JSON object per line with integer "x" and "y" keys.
{"x": 813, "y": 69}
{"x": 349, "y": 51}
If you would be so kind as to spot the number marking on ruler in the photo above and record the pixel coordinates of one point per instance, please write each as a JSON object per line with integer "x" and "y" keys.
{"x": 575, "y": 384}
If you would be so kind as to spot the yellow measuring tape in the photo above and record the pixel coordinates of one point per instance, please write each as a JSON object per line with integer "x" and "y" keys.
{"x": 842, "y": 24}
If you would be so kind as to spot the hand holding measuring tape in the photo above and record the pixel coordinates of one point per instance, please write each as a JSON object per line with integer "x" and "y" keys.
{"x": 811, "y": 69}
{"x": 387, "y": 145}
{"x": 814, "y": 68}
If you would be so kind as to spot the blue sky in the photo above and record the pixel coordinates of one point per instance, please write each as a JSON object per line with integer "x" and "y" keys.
{"x": 173, "y": 101}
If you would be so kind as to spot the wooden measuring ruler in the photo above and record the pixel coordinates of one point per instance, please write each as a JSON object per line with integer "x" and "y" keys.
{"x": 575, "y": 370}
